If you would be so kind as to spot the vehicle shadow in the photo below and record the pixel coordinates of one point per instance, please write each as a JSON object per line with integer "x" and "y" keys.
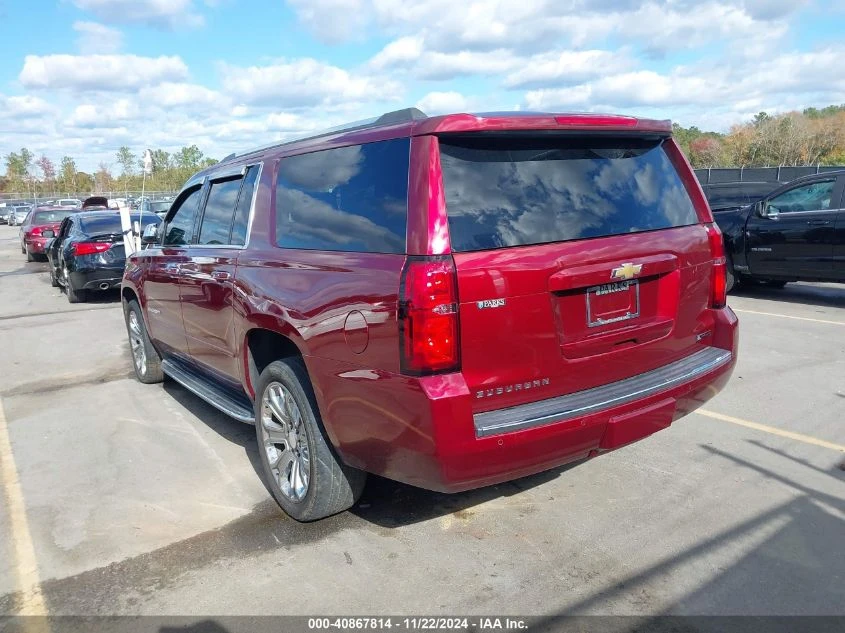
{"x": 103, "y": 296}
{"x": 385, "y": 503}
{"x": 806, "y": 294}
{"x": 791, "y": 570}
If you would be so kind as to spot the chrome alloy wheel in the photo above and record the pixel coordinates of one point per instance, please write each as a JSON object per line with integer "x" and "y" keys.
{"x": 136, "y": 340}
{"x": 285, "y": 441}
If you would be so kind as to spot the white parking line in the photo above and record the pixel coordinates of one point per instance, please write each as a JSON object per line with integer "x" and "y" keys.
{"x": 788, "y": 316}
{"x": 26, "y": 564}
{"x": 800, "y": 437}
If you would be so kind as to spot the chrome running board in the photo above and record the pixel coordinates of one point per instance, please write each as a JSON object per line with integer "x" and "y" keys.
{"x": 201, "y": 386}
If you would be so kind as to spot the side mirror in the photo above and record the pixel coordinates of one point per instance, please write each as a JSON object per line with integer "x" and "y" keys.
{"x": 48, "y": 233}
{"x": 150, "y": 234}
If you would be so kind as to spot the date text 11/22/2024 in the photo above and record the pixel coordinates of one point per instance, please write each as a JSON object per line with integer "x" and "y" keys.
{"x": 418, "y": 624}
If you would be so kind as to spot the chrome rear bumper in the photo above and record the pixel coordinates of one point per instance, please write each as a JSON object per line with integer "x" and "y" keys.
{"x": 593, "y": 400}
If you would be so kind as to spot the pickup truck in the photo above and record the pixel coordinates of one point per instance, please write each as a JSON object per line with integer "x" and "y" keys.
{"x": 795, "y": 233}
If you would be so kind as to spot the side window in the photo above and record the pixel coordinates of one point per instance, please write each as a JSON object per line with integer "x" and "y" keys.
{"x": 813, "y": 197}
{"x": 241, "y": 222}
{"x": 347, "y": 199}
{"x": 179, "y": 229}
{"x": 219, "y": 209}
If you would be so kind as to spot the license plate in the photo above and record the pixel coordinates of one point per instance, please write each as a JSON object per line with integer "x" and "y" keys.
{"x": 614, "y": 302}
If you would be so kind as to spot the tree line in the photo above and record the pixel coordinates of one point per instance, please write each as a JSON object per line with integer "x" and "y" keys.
{"x": 812, "y": 137}
{"x": 32, "y": 176}
{"x": 793, "y": 139}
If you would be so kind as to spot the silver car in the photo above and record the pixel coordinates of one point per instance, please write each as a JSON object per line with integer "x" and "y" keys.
{"x": 18, "y": 214}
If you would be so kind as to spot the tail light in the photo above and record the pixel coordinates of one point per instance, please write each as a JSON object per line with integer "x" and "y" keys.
{"x": 428, "y": 316}
{"x": 719, "y": 280}
{"x": 89, "y": 248}
{"x": 36, "y": 231}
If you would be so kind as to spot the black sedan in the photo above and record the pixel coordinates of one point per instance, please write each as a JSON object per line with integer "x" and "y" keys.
{"x": 87, "y": 253}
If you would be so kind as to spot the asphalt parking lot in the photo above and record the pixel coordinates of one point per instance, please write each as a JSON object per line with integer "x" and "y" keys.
{"x": 121, "y": 498}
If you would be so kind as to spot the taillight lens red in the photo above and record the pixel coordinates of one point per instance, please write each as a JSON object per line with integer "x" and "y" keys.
{"x": 719, "y": 280}
{"x": 36, "y": 231}
{"x": 428, "y": 316}
{"x": 89, "y": 248}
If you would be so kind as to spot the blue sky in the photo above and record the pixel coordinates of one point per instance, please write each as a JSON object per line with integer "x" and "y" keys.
{"x": 83, "y": 77}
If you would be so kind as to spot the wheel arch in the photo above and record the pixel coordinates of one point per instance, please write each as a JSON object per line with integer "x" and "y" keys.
{"x": 263, "y": 344}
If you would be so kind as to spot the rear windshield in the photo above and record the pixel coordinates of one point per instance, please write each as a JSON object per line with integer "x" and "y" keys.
{"x": 514, "y": 191}
{"x": 109, "y": 224}
{"x": 46, "y": 217}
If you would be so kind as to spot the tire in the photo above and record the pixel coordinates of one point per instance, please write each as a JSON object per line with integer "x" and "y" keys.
{"x": 331, "y": 486}
{"x": 74, "y": 295}
{"x": 730, "y": 277}
{"x": 145, "y": 359}
{"x": 23, "y": 249}
{"x": 53, "y": 281}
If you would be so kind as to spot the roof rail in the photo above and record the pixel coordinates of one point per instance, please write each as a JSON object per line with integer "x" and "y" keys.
{"x": 405, "y": 115}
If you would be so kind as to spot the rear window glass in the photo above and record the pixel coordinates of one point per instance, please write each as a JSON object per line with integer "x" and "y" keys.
{"x": 514, "y": 191}
{"x": 106, "y": 224}
{"x": 346, "y": 199}
{"x": 49, "y": 216}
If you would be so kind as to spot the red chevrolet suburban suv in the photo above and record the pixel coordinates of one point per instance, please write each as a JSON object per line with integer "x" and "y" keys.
{"x": 450, "y": 301}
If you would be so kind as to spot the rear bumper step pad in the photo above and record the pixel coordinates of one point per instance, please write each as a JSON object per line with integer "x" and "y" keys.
{"x": 593, "y": 400}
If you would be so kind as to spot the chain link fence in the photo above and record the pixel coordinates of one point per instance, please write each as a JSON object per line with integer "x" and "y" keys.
{"x": 759, "y": 174}
{"x": 56, "y": 196}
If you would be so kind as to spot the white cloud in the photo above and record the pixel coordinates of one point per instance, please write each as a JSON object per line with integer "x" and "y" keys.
{"x": 790, "y": 80}
{"x": 304, "y": 82}
{"x": 566, "y": 67}
{"x": 24, "y": 106}
{"x": 769, "y": 9}
{"x": 168, "y": 14}
{"x": 104, "y": 114}
{"x": 97, "y": 38}
{"x": 100, "y": 72}
{"x": 442, "y": 103}
{"x": 399, "y": 52}
{"x": 333, "y": 20}
{"x": 170, "y": 94}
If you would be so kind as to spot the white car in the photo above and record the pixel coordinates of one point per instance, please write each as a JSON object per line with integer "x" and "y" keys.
{"x": 70, "y": 202}
{"x": 117, "y": 203}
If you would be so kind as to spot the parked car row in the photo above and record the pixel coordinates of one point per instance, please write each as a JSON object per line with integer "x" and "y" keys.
{"x": 86, "y": 253}
{"x": 83, "y": 245}
{"x": 17, "y": 214}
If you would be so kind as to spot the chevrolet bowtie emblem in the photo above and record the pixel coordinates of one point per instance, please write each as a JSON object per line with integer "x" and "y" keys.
{"x": 626, "y": 271}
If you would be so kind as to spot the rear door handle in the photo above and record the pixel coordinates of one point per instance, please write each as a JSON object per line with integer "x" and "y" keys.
{"x": 818, "y": 222}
